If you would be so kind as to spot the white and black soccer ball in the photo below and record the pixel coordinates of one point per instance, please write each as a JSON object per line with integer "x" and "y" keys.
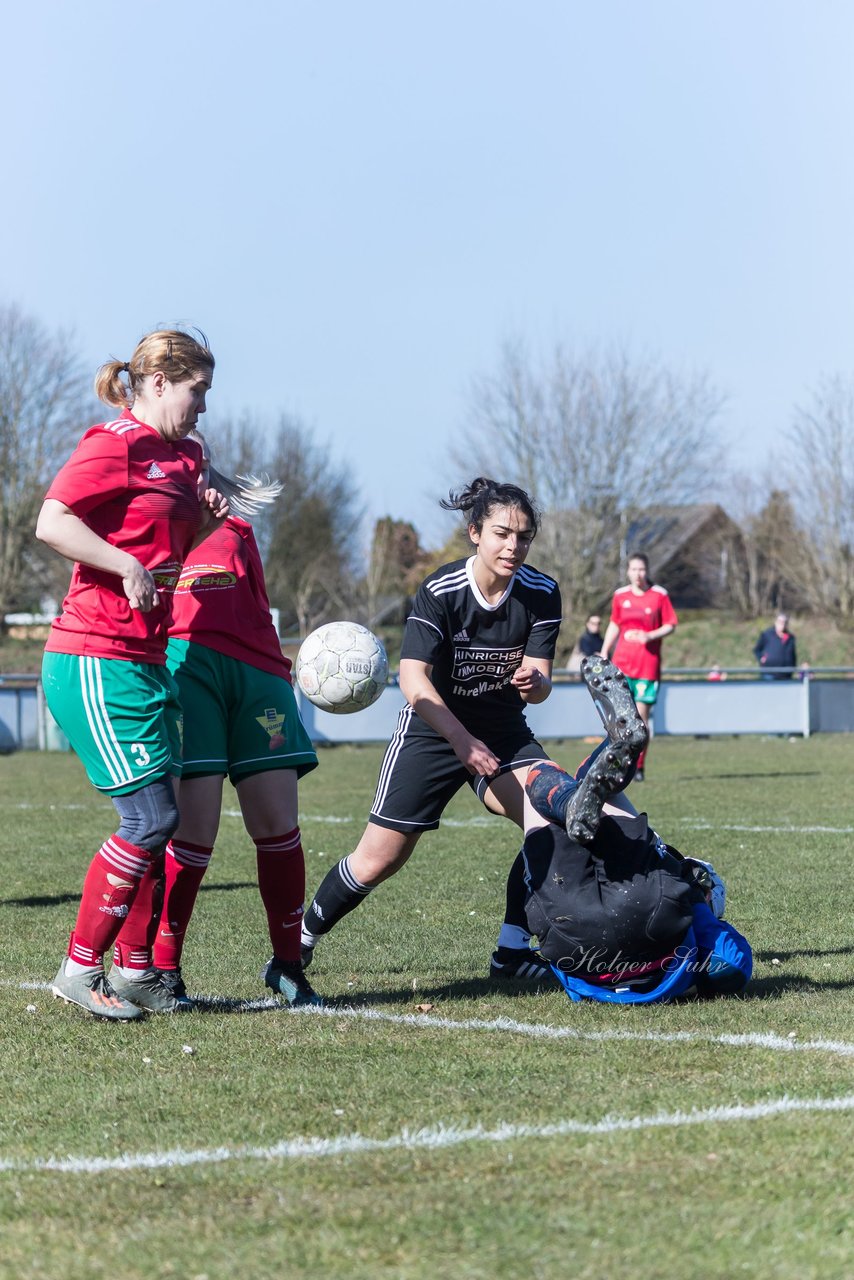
{"x": 342, "y": 667}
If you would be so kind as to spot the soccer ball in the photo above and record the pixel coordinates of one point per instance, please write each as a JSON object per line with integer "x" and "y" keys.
{"x": 342, "y": 667}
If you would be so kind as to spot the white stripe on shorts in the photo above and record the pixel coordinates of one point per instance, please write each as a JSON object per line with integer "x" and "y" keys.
{"x": 103, "y": 734}
{"x": 390, "y": 758}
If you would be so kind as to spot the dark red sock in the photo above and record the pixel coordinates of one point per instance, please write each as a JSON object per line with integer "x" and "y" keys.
{"x": 186, "y": 865}
{"x": 281, "y": 880}
{"x": 136, "y": 936}
{"x": 111, "y": 885}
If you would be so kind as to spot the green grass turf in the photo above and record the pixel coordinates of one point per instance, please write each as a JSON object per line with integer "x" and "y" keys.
{"x": 767, "y": 1197}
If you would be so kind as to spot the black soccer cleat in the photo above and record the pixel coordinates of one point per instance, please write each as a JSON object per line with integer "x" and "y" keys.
{"x": 172, "y": 979}
{"x": 287, "y": 978}
{"x": 607, "y": 774}
{"x": 608, "y": 688}
{"x": 521, "y": 965}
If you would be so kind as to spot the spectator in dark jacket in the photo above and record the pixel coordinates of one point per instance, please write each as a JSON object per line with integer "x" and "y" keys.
{"x": 776, "y": 648}
{"x": 590, "y": 640}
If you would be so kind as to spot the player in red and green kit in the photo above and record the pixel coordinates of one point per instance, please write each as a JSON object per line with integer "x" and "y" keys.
{"x": 240, "y": 719}
{"x": 126, "y": 508}
{"x": 641, "y": 616}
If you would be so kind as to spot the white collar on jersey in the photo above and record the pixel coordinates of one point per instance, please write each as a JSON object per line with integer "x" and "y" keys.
{"x": 478, "y": 595}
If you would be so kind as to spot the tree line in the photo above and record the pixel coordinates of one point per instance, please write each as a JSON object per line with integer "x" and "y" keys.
{"x": 596, "y": 436}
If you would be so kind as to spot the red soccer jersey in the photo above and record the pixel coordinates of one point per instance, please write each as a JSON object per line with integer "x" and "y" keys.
{"x": 139, "y": 492}
{"x": 220, "y": 600}
{"x": 645, "y": 612}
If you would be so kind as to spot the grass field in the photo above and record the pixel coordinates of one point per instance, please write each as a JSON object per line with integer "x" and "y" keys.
{"x": 430, "y": 1123}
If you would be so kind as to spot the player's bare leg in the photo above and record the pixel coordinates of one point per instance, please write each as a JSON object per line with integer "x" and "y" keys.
{"x": 644, "y": 711}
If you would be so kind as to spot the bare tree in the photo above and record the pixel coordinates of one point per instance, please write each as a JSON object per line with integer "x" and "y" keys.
{"x": 395, "y": 567}
{"x": 768, "y": 556}
{"x": 595, "y": 437}
{"x": 43, "y": 405}
{"x": 821, "y": 469}
{"x": 312, "y": 532}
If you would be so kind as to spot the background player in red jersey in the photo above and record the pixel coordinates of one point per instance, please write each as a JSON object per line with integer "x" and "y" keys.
{"x": 478, "y": 645}
{"x": 641, "y": 616}
{"x": 126, "y": 509}
{"x": 240, "y": 718}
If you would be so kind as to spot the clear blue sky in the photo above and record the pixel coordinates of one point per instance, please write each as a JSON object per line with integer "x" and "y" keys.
{"x": 359, "y": 201}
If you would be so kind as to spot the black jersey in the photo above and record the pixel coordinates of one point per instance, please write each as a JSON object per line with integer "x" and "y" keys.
{"x": 475, "y": 647}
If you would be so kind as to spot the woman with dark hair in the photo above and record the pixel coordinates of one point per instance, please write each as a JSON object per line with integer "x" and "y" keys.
{"x": 478, "y": 645}
{"x": 126, "y": 508}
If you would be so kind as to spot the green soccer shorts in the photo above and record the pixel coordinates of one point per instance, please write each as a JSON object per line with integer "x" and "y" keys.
{"x": 121, "y": 718}
{"x": 643, "y": 690}
{"x": 237, "y": 719}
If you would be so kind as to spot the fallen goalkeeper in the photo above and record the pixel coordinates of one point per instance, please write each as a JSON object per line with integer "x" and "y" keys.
{"x": 621, "y": 916}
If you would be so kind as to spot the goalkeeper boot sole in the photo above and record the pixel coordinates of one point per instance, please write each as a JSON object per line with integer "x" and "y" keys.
{"x": 608, "y": 774}
{"x": 612, "y": 696}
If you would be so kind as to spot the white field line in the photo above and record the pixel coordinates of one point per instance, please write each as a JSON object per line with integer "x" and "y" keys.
{"x": 327, "y": 819}
{"x": 693, "y": 825}
{"x": 435, "y": 1138}
{"x": 488, "y": 820}
{"x": 767, "y": 1040}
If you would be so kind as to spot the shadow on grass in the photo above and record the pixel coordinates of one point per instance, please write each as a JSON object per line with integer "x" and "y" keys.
{"x": 62, "y": 899}
{"x": 442, "y": 996}
{"x": 803, "y": 953}
{"x": 437, "y": 995}
{"x": 710, "y": 776}
{"x": 471, "y": 989}
{"x": 764, "y": 988}
{"x": 55, "y": 900}
{"x": 228, "y": 886}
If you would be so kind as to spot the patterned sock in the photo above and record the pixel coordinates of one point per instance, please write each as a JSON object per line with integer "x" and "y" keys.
{"x": 281, "y": 880}
{"x": 186, "y": 865}
{"x": 550, "y": 790}
{"x": 337, "y": 896}
{"x": 112, "y": 882}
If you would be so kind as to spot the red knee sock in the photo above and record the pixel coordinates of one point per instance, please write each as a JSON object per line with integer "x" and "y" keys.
{"x": 186, "y": 865}
{"x": 641, "y": 758}
{"x": 111, "y": 885}
{"x": 281, "y": 880}
{"x": 136, "y": 936}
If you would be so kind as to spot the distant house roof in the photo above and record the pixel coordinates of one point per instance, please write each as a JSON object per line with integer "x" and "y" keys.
{"x": 687, "y": 548}
{"x": 662, "y": 532}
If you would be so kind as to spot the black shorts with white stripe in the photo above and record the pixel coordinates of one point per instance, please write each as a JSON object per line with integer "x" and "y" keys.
{"x": 421, "y": 773}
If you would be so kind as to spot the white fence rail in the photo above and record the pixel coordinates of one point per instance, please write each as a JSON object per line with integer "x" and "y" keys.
{"x": 689, "y": 705}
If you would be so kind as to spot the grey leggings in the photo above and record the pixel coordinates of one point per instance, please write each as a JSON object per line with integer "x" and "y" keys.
{"x": 148, "y": 816}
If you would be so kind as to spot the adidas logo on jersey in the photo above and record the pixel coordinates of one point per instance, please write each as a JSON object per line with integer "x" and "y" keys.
{"x": 154, "y": 473}
{"x": 461, "y": 637}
